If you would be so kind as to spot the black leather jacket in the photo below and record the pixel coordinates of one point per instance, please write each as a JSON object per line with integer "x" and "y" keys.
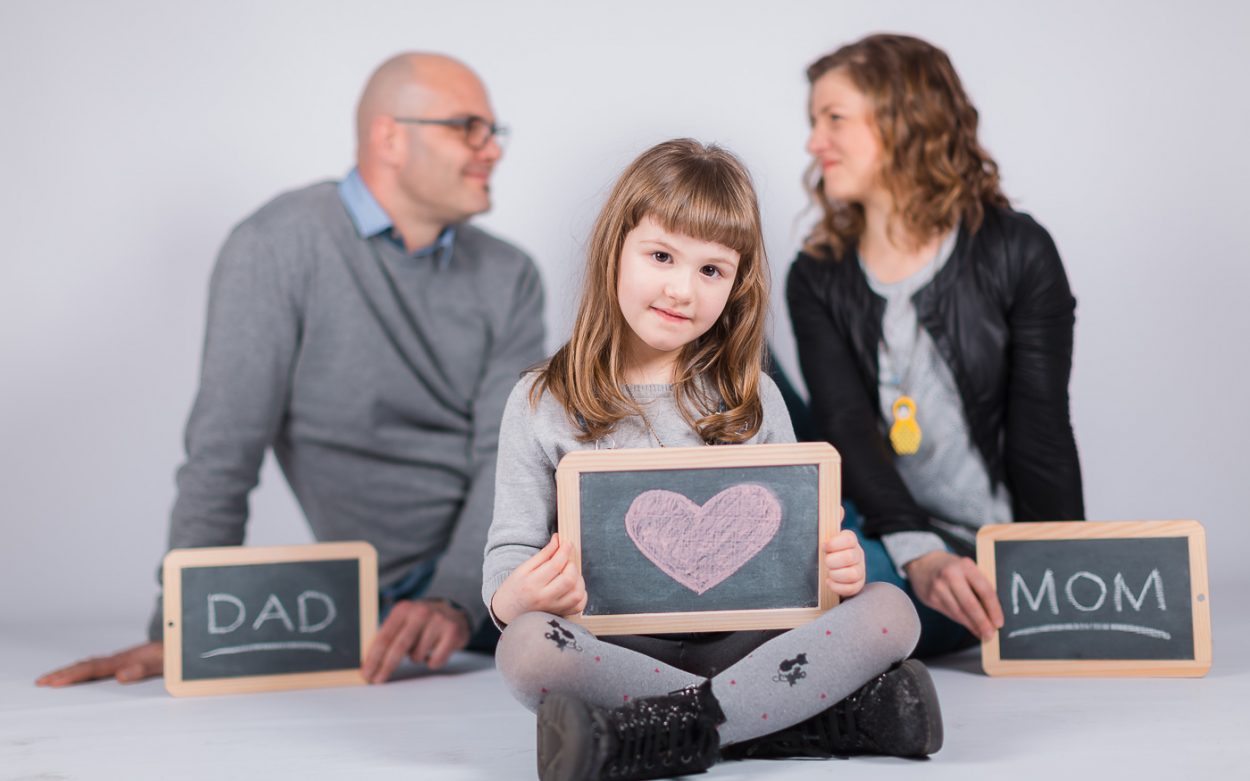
{"x": 1001, "y": 314}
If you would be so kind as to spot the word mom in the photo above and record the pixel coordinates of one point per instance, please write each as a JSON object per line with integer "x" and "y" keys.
{"x": 272, "y": 610}
{"x": 1120, "y": 592}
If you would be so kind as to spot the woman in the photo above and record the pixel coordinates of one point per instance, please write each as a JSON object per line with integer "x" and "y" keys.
{"x": 934, "y": 327}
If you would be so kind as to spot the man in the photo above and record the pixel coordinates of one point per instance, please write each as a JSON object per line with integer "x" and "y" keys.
{"x": 371, "y": 338}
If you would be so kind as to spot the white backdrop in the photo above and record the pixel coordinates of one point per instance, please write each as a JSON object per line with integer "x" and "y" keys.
{"x": 135, "y": 134}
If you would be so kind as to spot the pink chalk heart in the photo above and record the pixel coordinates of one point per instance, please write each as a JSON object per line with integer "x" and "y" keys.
{"x": 701, "y": 546}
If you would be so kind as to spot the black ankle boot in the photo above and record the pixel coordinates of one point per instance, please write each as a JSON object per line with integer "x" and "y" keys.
{"x": 651, "y": 738}
{"x": 895, "y": 713}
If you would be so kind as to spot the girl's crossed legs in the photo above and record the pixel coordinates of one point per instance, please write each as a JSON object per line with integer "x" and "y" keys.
{"x": 789, "y": 678}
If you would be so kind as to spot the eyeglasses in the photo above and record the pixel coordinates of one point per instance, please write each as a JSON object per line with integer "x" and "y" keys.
{"x": 478, "y": 131}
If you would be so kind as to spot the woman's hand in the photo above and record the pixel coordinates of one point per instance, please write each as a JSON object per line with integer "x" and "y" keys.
{"x": 844, "y": 560}
{"x": 548, "y": 582}
{"x": 953, "y": 586}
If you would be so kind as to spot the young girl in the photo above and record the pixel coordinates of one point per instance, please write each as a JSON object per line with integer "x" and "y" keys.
{"x": 667, "y": 351}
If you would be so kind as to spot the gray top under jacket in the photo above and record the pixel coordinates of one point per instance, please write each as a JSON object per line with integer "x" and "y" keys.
{"x": 947, "y": 475}
{"x": 378, "y": 378}
{"x": 533, "y": 440}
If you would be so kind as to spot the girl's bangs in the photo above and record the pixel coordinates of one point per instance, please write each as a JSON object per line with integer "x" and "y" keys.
{"x": 709, "y": 211}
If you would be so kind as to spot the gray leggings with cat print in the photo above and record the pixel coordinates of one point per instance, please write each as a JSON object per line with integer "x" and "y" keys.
{"x": 762, "y": 688}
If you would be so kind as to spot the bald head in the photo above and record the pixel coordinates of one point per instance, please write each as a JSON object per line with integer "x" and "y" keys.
{"x": 425, "y": 174}
{"x": 406, "y": 84}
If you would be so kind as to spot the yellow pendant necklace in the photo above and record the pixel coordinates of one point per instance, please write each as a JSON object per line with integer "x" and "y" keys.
{"x": 905, "y": 433}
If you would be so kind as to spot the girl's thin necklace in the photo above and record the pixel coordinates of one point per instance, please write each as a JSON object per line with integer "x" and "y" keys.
{"x": 646, "y": 422}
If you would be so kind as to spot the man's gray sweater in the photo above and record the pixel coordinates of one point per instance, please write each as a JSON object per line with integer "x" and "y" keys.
{"x": 378, "y": 379}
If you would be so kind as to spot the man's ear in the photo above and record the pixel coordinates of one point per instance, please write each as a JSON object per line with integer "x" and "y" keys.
{"x": 387, "y": 140}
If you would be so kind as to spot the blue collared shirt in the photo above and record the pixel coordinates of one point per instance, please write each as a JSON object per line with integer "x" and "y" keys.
{"x": 371, "y": 220}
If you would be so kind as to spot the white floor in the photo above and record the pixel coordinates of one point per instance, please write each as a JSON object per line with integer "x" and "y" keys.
{"x": 464, "y": 725}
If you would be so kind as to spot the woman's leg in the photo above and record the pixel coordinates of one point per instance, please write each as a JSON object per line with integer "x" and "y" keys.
{"x": 804, "y": 671}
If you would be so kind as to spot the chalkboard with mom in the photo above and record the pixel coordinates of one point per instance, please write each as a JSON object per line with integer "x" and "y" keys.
{"x": 369, "y": 335}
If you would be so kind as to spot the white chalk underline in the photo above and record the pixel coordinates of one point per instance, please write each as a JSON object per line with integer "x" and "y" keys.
{"x": 1087, "y": 627}
{"x": 289, "y": 646}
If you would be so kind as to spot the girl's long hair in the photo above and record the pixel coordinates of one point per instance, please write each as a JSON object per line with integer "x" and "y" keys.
{"x": 699, "y": 191}
{"x": 933, "y": 165}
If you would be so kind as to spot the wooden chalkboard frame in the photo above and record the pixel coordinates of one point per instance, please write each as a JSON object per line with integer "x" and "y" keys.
{"x": 819, "y": 454}
{"x": 184, "y": 558}
{"x": 1200, "y": 601}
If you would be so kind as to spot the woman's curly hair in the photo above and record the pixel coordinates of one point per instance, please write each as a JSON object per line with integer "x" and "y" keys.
{"x": 933, "y": 165}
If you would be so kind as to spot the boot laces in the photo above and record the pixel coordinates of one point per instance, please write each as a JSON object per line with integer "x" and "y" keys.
{"x": 651, "y": 736}
{"x": 823, "y": 735}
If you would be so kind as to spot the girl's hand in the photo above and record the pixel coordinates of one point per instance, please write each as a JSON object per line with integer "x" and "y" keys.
{"x": 844, "y": 559}
{"x": 548, "y": 582}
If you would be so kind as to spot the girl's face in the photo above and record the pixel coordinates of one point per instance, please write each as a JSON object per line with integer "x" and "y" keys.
{"x": 671, "y": 289}
{"x": 844, "y": 139}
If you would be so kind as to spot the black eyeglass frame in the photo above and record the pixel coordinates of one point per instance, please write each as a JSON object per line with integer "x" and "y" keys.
{"x": 465, "y": 124}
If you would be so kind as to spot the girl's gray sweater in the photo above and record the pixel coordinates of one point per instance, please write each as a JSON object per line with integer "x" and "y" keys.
{"x": 532, "y": 440}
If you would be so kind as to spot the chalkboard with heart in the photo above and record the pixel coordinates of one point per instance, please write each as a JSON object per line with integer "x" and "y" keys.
{"x": 700, "y": 539}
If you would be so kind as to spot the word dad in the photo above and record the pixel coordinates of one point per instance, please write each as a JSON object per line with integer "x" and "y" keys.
{"x": 272, "y": 611}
